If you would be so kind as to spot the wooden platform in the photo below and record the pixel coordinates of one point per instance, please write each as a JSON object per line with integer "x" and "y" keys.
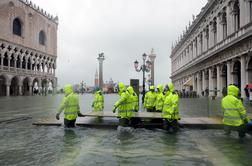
{"x": 109, "y": 120}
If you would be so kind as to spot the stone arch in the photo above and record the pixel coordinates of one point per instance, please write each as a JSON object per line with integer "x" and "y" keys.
{"x": 36, "y": 84}
{"x": 50, "y": 86}
{"x": 27, "y": 83}
{"x": 249, "y": 68}
{"x": 3, "y": 81}
{"x": 236, "y": 72}
{"x": 14, "y": 86}
{"x": 44, "y": 84}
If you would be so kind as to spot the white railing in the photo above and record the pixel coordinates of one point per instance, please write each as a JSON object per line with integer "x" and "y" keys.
{"x": 20, "y": 71}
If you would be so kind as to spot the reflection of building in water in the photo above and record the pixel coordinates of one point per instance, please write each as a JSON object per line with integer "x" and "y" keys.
{"x": 28, "y": 48}
{"x": 215, "y": 50}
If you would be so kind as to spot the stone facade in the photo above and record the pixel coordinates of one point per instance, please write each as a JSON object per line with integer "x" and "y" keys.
{"x": 28, "y": 48}
{"x": 216, "y": 49}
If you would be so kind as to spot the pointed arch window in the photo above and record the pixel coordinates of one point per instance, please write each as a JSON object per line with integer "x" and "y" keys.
{"x": 17, "y": 27}
{"x": 42, "y": 38}
{"x": 236, "y": 16}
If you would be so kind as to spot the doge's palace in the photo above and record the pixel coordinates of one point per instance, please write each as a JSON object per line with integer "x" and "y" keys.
{"x": 28, "y": 48}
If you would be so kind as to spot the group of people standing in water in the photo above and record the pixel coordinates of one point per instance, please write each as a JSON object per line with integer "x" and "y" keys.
{"x": 163, "y": 100}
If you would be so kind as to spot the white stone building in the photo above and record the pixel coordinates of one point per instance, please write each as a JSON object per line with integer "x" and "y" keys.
{"x": 216, "y": 49}
{"x": 28, "y": 48}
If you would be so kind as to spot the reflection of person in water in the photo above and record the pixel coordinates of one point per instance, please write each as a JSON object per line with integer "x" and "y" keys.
{"x": 70, "y": 148}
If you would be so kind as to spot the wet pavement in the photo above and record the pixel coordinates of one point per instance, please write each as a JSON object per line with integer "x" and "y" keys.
{"x": 22, "y": 143}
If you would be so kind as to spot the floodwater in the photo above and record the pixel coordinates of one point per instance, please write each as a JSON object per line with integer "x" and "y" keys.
{"x": 21, "y": 143}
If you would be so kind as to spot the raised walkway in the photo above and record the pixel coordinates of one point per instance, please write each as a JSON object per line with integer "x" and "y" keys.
{"x": 109, "y": 119}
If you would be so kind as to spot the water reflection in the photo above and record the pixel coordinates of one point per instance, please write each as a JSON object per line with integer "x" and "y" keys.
{"x": 24, "y": 144}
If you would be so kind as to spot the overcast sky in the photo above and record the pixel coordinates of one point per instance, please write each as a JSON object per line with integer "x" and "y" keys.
{"x": 122, "y": 29}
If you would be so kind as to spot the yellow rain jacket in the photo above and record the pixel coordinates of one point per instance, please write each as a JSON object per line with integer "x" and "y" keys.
{"x": 98, "y": 104}
{"x": 159, "y": 98}
{"x": 150, "y": 98}
{"x": 233, "y": 109}
{"x": 134, "y": 99}
{"x": 171, "y": 107}
{"x": 70, "y": 104}
{"x": 124, "y": 103}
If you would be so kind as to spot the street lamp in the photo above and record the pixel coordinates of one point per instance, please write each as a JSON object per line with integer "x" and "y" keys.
{"x": 144, "y": 68}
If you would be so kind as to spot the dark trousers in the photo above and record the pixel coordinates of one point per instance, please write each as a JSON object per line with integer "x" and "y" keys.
{"x": 151, "y": 109}
{"x": 124, "y": 122}
{"x": 171, "y": 126}
{"x": 132, "y": 122}
{"x": 240, "y": 129}
{"x": 135, "y": 121}
{"x": 69, "y": 123}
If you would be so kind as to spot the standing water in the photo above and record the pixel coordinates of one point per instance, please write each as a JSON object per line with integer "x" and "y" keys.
{"x": 21, "y": 143}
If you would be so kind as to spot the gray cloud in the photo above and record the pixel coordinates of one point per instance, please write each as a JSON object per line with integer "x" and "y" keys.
{"x": 122, "y": 29}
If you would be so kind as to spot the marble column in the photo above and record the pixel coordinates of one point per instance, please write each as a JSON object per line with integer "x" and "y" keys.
{"x": 243, "y": 76}
{"x": 9, "y": 58}
{"x": 210, "y": 79}
{"x": 101, "y": 58}
{"x": 26, "y": 64}
{"x": 152, "y": 57}
{"x": 194, "y": 83}
{"x": 229, "y": 75}
{"x": 30, "y": 90}
{"x": 15, "y": 63}
{"x": 2, "y": 58}
{"x": 7, "y": 89}
{"x": 20, "y": 64}
{"x": 39, "y": 87}
{"x": 219, "y": 79}
{"x": 20, "y": 90}
{"x": 203, "y": 80}
{"x": 198, "y": 84}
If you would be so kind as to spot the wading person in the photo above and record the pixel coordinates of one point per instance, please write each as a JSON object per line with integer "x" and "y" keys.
{"x": 170, "y": 111}
{"x": 134, "y": 104}
{"x": 159, "y": 98}
{"x": 70, "y": 106}
{"x": 235, "y": 116}
{"x": 125, "y": 112}
{"x": 98, "y": 103}
{"x": 159, "y": 102}
{"x": 149, "y": 100}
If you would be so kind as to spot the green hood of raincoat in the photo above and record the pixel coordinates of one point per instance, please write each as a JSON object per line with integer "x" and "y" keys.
{"x": 130, "y": 90}
{"x": 121, "y": 87}
{"x": 171, "y": 87}
{"x": 233, "y": 90}
{"x": 68, "y": 89}
{"x": 160, "y": 88}
{"x": 152, "y": 87}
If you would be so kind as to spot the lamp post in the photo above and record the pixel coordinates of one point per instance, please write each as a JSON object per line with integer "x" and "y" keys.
{"x": 145, "y": 67}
